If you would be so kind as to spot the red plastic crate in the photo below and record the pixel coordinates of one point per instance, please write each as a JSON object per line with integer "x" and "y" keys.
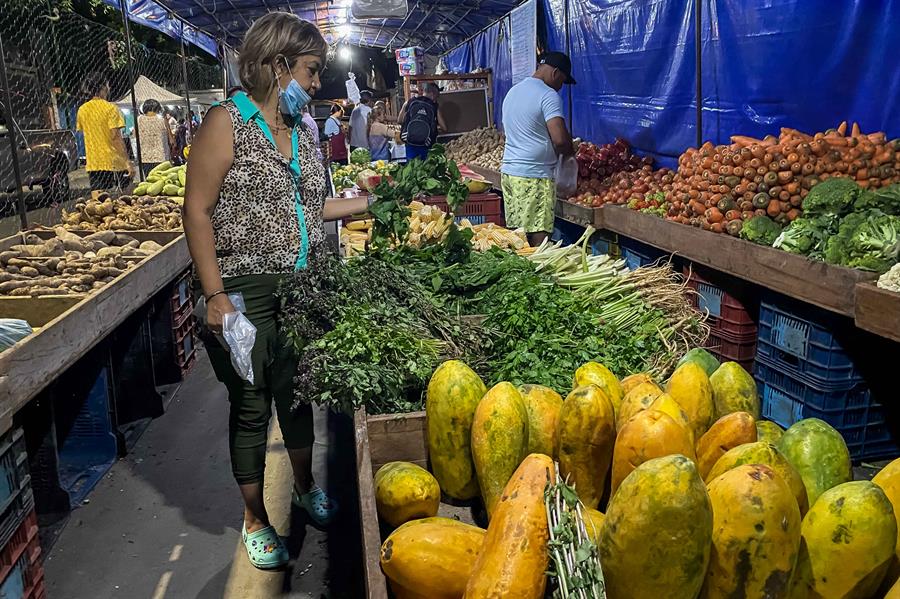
{"x": 188, "y": 363}
{"x": 730, "y": 348}
{"x": 727, "y": 313}
{"x": 21, "y": 557}
{"x": 181, "y": 291}
{"x": 479, "y": 208}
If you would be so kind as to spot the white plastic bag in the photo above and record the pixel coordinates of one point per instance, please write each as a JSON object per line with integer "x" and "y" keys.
{"x": 240, "y": 335}
{"x": 11, "y": 331}
{"x": 566, "y": 176}
{"x": 379, "y": 9}
{"x": 352, "y": 88}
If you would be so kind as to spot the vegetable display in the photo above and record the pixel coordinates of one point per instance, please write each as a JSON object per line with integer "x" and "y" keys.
{"x": 348, "y": 176}
{"x": 124, "y": 213}
{"x": 360, "y": 156}
{"x": 598, "y": 162}
{"x": 643, "y": 189}
{"x": 164, "y": 180}
{"x": 481, "y": 147}
{"x": 891, "y": 279}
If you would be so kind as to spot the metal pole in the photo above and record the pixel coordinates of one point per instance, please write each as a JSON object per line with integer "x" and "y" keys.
{"x": 569, "y": 53}
{"x": 187, "y": 93}
{"x": 698, "y": 39}
{"x": 131, "y": 77}
{"x": 11, "y": 129}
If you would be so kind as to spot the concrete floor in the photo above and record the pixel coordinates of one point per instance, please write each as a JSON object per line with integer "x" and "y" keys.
{"x": 165, "y": 522}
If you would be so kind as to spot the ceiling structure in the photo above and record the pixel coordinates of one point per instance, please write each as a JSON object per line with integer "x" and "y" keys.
{"x": 435, "y": 25}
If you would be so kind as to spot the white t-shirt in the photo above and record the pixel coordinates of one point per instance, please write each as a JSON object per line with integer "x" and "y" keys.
{"x": 526, "y": 109}
{"x": 358, "y": 124}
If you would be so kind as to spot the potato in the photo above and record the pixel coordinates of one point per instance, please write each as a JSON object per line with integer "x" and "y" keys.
{"x": 7, "y": 255}
{"x": 106, "y": 237}
{"x": 112, "y": 251}
{"x": 150, "y": 246}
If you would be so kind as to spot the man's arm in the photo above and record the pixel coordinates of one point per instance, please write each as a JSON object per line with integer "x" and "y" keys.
{"x": 560, "y": 136}
{"x": 402, "y": 114}
{"x": 442, "y": 126}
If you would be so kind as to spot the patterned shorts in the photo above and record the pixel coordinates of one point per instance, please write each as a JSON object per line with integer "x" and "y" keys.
{"x": 529, "y": 203}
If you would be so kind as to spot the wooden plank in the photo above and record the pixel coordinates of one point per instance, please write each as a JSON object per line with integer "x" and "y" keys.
{"x": 878, "y": 311}
{"x": 160, "y": 237}
{"x": 487, "y": 174}
{"x": 376, "y": 586}
{"x": 37, "y": 311}
{"x": 579, "y": 214}
{"x": 397, "y": 437}
{"x": 32, "y": 364}
{"x": 824, "y": 285}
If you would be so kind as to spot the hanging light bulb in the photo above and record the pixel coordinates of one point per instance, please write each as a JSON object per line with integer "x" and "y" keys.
{"x": 344, "y": 53}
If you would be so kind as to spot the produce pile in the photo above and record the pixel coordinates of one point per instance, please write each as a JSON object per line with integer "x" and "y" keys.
{"x": 348, "y": 176}
{"x": 595, "y": 163}
{"x": 680, "y": 490}
{"x": 164, "y": 180}
{"x": 67, "y": 263}
{"x": 481, "y": 147}
{"x": 125, "y": 213}
{"x": 720, "y": 188}
{"x": 429, "y": 225}
{"x": 643, "y": 189}
{"x": 891, "y": 279}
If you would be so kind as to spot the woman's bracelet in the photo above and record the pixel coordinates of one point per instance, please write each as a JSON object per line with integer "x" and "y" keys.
{"x": 214, "y": 294}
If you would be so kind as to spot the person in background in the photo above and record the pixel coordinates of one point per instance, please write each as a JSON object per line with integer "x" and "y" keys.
{"x": 313, "y": 129}
{"x": 422, "y": 121}
{"x": 379, "y": 133}
{"x": 102, "y": 124}
{"x": 334, "y": 131}
{"x": 359, "y": 119}
{"x": 155, "y": 136}
{"x": 195, "y": 120}
{"x": 171, "y": 121}
{"x": 254, "y": 214}
{"x": 536, "y": 134}
{"x": 181, "y": 139}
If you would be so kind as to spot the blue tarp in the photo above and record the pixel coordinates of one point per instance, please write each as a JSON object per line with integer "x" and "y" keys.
{"x": 151, "y": 14}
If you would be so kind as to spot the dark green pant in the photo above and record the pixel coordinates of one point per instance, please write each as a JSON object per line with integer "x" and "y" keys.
{"x": 274, "y": 365}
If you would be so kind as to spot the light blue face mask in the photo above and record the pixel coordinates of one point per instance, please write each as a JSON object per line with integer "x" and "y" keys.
{"x": 294, "y": 98}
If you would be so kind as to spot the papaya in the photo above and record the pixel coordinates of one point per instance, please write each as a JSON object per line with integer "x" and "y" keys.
{"x": 593, "y": 523}
{"x": 894, "y": 591}
{"x": 450, "y": 401}
{"x": 633, "y": 380}
{"x": 404, "y": 492}
{"x": 762, "y": 453}
{"x": 639, "y": 398}
{"x": 586, "y": 437}
{"x": 690, "y": 387}
{"x": 543, "y": 405}
{"x": 665, "y": 404}
{"x": 656, "y": 536}
{"x": 514, "y": 557}
{"x": 888, "y": 478}
{"x": 768, "y": 431}
{"x": 818, "y": 453}
{"x": 432, "y": 557}
{"x": 734, "y": 390}
{"x": 727, "y": 433}
{"x": 702, "y": 358}
{"x": 649, "y": 434}
{"x": 756, "y": 534}
{"x": 499, "y": 440}
{"x": 594, "y": 373}
{"x": 848, "y": 540}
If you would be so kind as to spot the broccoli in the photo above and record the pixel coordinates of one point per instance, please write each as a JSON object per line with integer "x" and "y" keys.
{"x": 833, "y": 196}
{"x": 760, "y": 229}
{"x": 886, "y": 199}
{"x": 807, "y": 236}
{"x": 866, "y": 240}
{"x": 837, "y": 245}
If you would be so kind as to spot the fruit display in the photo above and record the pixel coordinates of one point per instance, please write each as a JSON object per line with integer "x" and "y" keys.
{"x": 643, "y": 189}
{"x": 348, "y": 176}
{"x": 481, "y": 147}
{"x": 164, "y": 180}
{"x": 124, "y": 213}
{"x": 598, "y": 162}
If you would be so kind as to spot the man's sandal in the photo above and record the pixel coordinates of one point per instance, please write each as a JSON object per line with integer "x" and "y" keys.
{"x": 317, "y": 504}
{"x": 265, "y": 548}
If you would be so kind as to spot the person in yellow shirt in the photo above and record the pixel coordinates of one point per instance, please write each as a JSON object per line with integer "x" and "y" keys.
{"x": 102, "y": 123}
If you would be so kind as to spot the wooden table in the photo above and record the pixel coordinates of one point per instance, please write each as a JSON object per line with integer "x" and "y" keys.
{"x": 878, "y": 310}
{"x": 487, "y": 174}
{"x": 71, "y": 325}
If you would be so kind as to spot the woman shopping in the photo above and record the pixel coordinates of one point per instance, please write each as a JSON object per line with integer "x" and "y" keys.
{"x": 253, "y": 215}
{"x": 155, "y": 135}
{"x": 337, "y": 139}
{"x": 379, "y": 133}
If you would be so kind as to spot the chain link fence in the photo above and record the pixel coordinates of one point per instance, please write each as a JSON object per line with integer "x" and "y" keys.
{"x": 49, "y": 57}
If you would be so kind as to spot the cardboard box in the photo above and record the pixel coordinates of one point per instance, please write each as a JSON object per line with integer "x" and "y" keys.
{"x": 409, "y": 53}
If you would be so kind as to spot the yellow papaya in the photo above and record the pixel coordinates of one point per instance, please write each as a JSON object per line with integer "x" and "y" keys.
{"x": 639, "y": 398}
{"x": 894, "y": 591}
{"x": 848, "y": 540}
{"x": 543, "y": 405}
{"x": 727, "y": 433}
{"x": 586, "y": 437}
{"x": 656, "y": 536}
{"x": 888, "y": 478}
{"x": 818, "y": 452}
{"x": 690, "y": 387}
{"x": 593, "y": 523}
{"x": 594, "y": 373}
{"x": 648, "y": 435}
{"x": 514, "y": 557}
{"x": 734, "y": 390}
{"x": 665, "y": 404}
{"x": 404, "y": 492}
{"x": 768, "y": 431}
{"x": 756, "y": 534}
{"x": 762, "y": 453}
{"x": 633, "y": 380}
{"x": 453, "y": 394}
{"x": 499, "y": 440}
{"x": 432, "y": 557}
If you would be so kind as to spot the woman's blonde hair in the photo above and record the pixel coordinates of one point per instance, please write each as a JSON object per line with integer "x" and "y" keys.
{"x": 273, "y": 35}
{"x": 378, "y": 111}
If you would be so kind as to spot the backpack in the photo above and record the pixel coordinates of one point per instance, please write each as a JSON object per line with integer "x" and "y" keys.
{"x": 420, "y": 126}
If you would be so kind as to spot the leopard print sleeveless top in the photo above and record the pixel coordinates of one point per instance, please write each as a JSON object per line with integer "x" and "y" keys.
{"x": 255, "y": 222}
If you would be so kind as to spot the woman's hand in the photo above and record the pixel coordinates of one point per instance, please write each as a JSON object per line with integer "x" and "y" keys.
{"x": 216, "y": 309}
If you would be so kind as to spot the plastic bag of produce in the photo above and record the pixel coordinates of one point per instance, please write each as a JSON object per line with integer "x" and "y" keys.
{"x": 352, "y": 88}
{"x": 11, "y": 331}
{"x": 240, "y": 335}
{"x": 566, "y": 176}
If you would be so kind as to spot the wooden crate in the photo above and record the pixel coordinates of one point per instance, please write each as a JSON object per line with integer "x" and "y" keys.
{"x": 579, "y": 214}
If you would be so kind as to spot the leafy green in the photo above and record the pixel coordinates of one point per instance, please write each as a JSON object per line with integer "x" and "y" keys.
{"x": 807, "y": 236}
{"x": 867, "y": 240}
{"x": 886, "y": 199}
{"x": 833, "y": 196}
{"x": 761, "y": 229}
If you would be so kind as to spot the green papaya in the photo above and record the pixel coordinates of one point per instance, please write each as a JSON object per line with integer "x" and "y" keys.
{"x": 703, "y": 358}
{"x": 734, "y": 390}
{"x": 818, "y": 453}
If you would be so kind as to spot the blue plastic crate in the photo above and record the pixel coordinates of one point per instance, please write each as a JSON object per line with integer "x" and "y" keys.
{"x": 13, "y": 466}
{"x": 637, "y": 254}
{"x": 89, "y": 449}
{"x": 14, "y": 512}
{"x": 804, "y": 346}
{"x": 850, "y": 410}
{"x": 13, "y": 586}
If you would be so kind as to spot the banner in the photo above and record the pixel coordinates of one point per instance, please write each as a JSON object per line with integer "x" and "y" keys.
{"x": 523, "y": 40}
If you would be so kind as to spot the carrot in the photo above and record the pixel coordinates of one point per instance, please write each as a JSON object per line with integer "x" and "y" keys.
{"x": 774, "y": 208}
{"x": 787, "y": 131}
{"x": 836, "y": 141}
{"x": 854, "y": 131}
{"x": 796, "y": 200}
{"x": 792, "y": 214}
{"x": 769, "y": 140}
{"x": 842, "y": 128}
{"x": 877, "y": 138}
{"x": 744, "y": 140}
